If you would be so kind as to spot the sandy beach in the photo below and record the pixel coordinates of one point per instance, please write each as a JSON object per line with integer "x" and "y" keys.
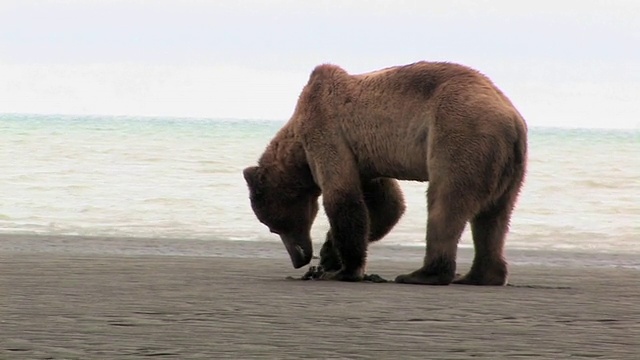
{"x": 233, "y": 301}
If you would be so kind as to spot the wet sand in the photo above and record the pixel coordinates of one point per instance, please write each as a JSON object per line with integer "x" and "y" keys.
{"x": 87, "y": 305}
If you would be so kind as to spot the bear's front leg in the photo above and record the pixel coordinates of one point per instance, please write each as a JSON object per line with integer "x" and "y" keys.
{"x": 347, "y": 214}
{"x": 329, "y": 258}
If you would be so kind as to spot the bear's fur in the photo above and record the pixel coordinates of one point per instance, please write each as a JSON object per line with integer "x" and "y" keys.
{"x": 351, "y": 137}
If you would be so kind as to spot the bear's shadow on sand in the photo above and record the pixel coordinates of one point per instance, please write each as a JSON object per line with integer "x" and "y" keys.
{"x": 316, "y": 273}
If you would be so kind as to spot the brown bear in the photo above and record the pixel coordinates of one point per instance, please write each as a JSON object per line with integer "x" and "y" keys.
{"x": 351, "y": 137}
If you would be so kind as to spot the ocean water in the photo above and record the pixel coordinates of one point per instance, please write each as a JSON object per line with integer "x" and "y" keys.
{"x": 181, "y": 179}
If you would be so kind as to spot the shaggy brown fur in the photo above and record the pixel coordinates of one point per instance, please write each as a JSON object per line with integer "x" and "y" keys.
{"x": 352, "y": 135}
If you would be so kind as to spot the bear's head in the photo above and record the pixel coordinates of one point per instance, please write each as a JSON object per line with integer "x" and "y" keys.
{"x": 287, "y": 207}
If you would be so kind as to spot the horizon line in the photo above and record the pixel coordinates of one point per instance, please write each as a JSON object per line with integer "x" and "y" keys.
{"x": 226, "y": 118}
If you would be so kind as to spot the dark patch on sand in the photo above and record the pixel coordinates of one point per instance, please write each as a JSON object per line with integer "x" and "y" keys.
{"x": 316, "y": 272}
{"x": 540, "y": 287}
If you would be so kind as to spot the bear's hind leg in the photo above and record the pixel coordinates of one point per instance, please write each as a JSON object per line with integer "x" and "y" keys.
{"x": 385, "y": 205}
{"x": 489, "y": 229}
{"x": 448, "y": 213}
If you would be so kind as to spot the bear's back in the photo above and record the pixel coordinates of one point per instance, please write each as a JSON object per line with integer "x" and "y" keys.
{"x": 388, "y": 116}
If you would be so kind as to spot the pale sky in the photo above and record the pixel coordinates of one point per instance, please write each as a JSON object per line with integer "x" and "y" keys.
{"x": 563, "y": 63}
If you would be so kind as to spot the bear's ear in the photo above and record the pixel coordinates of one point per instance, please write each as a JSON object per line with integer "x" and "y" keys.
{"x": 251, "y": 175}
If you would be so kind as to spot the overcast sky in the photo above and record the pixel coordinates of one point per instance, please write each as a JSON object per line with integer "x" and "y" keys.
{"x": 563, "y": 63}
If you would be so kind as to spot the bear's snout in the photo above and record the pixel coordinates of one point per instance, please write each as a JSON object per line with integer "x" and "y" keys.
{"x": 300, "y": 250}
